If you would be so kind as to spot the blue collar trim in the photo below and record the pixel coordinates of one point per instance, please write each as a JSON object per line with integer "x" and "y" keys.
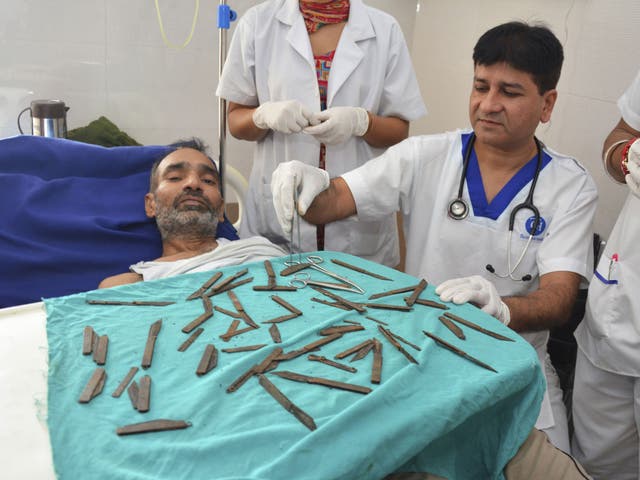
{"x": 504, "y": 198}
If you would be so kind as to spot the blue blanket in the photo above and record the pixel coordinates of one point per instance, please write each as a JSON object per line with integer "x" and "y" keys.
{"x": 443, "y": 415}
{"x": 72, "y": 214}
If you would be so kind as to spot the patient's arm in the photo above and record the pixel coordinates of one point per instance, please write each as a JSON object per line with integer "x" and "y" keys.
{"x": 121, "y": 279}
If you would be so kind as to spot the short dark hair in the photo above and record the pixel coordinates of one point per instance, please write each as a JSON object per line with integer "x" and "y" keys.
{"x": 530, "y": 48}
{"x": 193, "y": 143}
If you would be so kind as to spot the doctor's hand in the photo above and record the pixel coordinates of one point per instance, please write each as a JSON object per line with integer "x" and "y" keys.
{"x": 289, "y": 116}
{"x": 477, "y": 290}
{"x": 294, "y": 176}
{"x": 338, "y": 124}
{"x": 633, "y": 165}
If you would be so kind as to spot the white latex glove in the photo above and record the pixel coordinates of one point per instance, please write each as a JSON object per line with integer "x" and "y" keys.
{"x": 291, "y": 176}
{"x": 478, "y": 291}
{"x": 338, "y": 124}
{"x": 289, "y": 116}
{"x": 633, "y": 165}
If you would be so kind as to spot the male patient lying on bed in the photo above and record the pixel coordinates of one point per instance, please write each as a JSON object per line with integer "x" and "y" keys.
{"x": 185, "y": 199}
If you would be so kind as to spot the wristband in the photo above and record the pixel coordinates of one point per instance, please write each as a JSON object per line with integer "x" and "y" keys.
{"x": 625, "y": 155}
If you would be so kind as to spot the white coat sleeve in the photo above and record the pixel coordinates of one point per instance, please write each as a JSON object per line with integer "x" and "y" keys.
{"x": 629, "y": 104}
{"x": 401, "y": 94}
{"x": 238, "y": 80}
{"x": 569, "y": 242}
{"x": 385, "y": 184}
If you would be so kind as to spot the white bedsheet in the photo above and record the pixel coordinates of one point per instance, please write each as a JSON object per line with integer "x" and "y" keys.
{"x": 25, "y": 452}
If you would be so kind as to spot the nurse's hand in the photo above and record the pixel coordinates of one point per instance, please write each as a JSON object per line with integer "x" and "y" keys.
{"x": 477, "y": 290}
{"x": 633, "y": 165}
{"x": 338, "y": 124}
{"x": 294, "y": 176}
{"x": 289, "y": 116}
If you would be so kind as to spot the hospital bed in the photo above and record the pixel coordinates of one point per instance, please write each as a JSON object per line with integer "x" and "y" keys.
{"x": 439, "y": 413}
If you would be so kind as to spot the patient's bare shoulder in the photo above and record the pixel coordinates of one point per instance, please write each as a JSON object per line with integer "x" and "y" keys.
{"x": 121, "y": 279}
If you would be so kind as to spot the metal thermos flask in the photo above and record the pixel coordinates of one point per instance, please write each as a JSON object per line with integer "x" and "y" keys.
{"x": 48, "y": 118}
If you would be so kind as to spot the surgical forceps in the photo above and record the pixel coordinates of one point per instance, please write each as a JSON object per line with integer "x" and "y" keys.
{"x": 314, "y": 261}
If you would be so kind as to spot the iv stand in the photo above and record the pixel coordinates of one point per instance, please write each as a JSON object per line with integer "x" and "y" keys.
{"x": 225, "y": 17}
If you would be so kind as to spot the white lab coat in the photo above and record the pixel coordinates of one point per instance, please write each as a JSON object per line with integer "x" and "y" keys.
{"x": 421, "y": 176}
{"x": 606, "y": 404}
{"x": 270, "y": 59}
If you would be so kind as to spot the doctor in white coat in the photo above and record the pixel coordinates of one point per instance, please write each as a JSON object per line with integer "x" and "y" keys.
{"x": 329, "y": 83}
{"x": 606, "y": 395}
{"x": 460, "y": 236}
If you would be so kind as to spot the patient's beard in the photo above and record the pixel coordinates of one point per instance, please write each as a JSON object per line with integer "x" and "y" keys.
{"x": 191, "y": 224}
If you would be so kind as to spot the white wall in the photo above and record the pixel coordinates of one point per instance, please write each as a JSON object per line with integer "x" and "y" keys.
{"x": 601, "y": 40}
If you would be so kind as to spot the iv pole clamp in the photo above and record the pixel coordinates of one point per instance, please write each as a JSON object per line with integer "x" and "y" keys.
{"x": 225, "y": 17}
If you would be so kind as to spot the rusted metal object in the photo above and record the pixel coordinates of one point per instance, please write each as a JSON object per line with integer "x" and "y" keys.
{"x": 430, "y": 303}
{"x": 376, "y": 367}
{"x": 132, "y": 392}
{"x": 394, "y": 342}
{"x": 159, "y": 425}
{"x": 310, "y": 347}
{"x": 275, "y": 333}
{"x": 189, "y": 341}
{"x": 456, "y": 330}
{"x": 280, "y": 397}
{"x": 285, "y": 304}
{"x": 217, "y": 287}
{"x": 325, "y": 382}
{"x": 363, "y": 352}
{"x": 331, "y": 304}
{"x": 477, "y": 327}
{"x": 355, "y": 306}
{"x": 331, "y": 363}
{"x": 93, "y": 386}
{"x": 154, "y": 330}
{"x": 125, "y": 382}
{"x": 87, "y": 340}
{"x": 144, "y": 394}
{"x": 459, "y": 352}
{"x": 410, "y": 300}
{"x": 205, "y": 286}
{"x": 352, "y": 350}
{"x": 385, "y": 306}
{"x": 208, "y": 361}
{"x": 340, "y": 329}
{"x": 241, "y": 380}
{"x": 404, "y": 340}
{"x": 100, "y": 350}
{"x": 135, "y": 303}
{"x": 243, "y": 314}
{"x": 294, "y": 269}
{"x": 376, "y": 320}
{"x": 283, "y": 318}
{"x": 230, "y": 286}
{"x": 358, "y": 269}
{"x": 392, "y": 292}
{"x": 195, "y": 323}
{"x": 271, "y": 281}
{"x": 246, "y": 348}
{"x": 233, "y": 331}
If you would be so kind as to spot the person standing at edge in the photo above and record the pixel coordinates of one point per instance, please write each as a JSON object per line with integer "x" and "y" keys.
{"x": 326, "y": 82}
{"x": 606, "y": 392}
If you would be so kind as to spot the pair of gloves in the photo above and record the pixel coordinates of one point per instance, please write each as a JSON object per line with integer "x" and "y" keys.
{"x": 633, "y": 165}
{"x": 331, "y": 126}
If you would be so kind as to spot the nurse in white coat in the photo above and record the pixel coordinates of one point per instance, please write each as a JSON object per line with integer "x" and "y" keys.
{"x": 527, "y": 278}
{"x": 606, "y": 395}
{"x": 280, "y": 76}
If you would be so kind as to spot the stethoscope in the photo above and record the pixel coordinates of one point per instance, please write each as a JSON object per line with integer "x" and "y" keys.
{"x": 459, "y": 209}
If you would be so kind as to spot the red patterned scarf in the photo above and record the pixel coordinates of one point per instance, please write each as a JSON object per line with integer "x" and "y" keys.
{"x": 317, "y": 13}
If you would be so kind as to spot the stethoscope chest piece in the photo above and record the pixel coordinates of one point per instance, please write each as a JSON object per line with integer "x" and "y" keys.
{"x": 458, "y": 209}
